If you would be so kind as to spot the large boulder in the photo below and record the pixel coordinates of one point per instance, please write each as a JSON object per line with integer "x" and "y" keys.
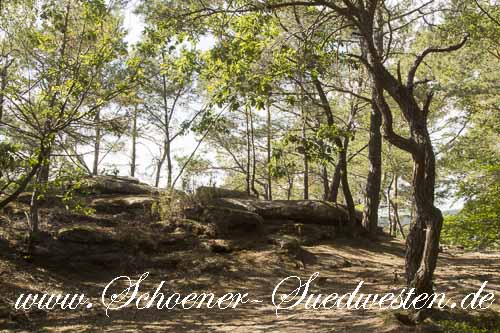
{"x": 303, "y": 211}
{"x": 87, "y": 234}
{"x": 229, "y": 221}
{"x": 139, "y": 205}
{"x": 296, "y": 211}
{"x": 116, "y": 185}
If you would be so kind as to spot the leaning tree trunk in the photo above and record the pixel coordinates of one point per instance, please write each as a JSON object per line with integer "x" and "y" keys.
{"x": 346, "y": 190}
{"x": 373, "y": 182}
{"x": 423, "y": 239}
{"x": 334, "y": 188}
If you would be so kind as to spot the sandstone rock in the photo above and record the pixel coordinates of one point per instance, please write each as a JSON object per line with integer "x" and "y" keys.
{"x": 87, "y": 234}
{"x": 118, "y": 204}
{"x": 221, "y": 246}
{"x": 303, "y": 211}
{"x": 196, "y": 228}
{"x": 293, "y": 249}
{"x": 297, "y": 211}
{"x": 116, "y": 185}
{"x": 228, "y": 221}
{"x": 235, "y": 203}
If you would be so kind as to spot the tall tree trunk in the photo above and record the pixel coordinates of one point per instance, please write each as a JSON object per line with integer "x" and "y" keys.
{"x": 97, "y": 142}
{"x": 423, "y": 239}
{"x": 351, "y": 208}
{"x": 342, "y": 155}
{"x": 334, "y": 188}
{"x": 254, "y": 155}
{"x": 45, "y": 171}
{"x": 167, "y": 142}
{"x": 289, "y": 190}
{"x": 170, "y": 166}
{"x": 3, "y": 86}
{"x": 269, "y": 154}
{"x": 395, "y": 207}
{"x": 373, "y": 182}
{"x": 249, "y": 155}
{"x": 306, "y": 158}
{"x": 422, "y": 243}
{"x": 389, "y": 208}
{"x": 326, "y": 183}
{"x": 34, "y": 204}
{"x": 161, "y": 161}
{"x": 38, "y": 188}
{"x": 133, "y": 157}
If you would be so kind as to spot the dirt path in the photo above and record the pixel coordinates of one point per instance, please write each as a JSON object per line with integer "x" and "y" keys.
{"x": 342, "y": 264}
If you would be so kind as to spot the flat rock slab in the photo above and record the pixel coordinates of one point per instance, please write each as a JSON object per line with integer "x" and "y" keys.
{"x": 116, "y": 185}
{"x": 140, "y": 204}
{"x": 87, "y": 234}
{"x": 299, "y": 211}
{"x": 229, "y": 221}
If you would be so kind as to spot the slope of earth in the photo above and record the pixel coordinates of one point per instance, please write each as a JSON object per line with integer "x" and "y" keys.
{"x": 246, "y": 253}
{"x": 252, "y": 269}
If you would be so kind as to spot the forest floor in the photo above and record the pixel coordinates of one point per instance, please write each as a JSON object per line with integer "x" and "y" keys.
{"x": 253, "y": 269}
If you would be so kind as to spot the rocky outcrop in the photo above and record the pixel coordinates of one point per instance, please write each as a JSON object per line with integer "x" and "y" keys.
{"x": 116, "y": 185}
{"x": 299, "y": 211}
{"x": 229, "y": 221}
{"x": 114, "y": 204}
{"x": 87, "y": 235}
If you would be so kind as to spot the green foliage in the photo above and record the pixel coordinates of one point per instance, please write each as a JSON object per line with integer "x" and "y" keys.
{"x": 9, "y": 159}
{"x": 477, "y": 226}
{"x": 484, "y": 323}
{"x": 475, "y": 163}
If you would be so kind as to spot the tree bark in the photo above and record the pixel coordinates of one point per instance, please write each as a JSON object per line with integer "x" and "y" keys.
{"x": 97, "y": 142}
{"x": 269, "y": 154}
{"x": 326, "y": 183}
{"x": 422, "y": 243}
{"x": 289, "y": 188}
{"x": 3, "y": 85}
{"x": 254, "y": 155}
{"x": 306, "y": 159}
{"x": 133, "y": 157}
{"x": 249, "y": 154}
{"x": 395, "y": 207}
{"x": 373, "y": 182}
{"x": 351, "y": 208}
{"x": 334, "y": 188}
{"x": 167, "y": 141}
{"x": 423, "y": 239}
{"x": 389, "y": 208}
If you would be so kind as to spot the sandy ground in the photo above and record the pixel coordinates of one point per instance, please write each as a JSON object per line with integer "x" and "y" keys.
{"x": 341, "y": 264}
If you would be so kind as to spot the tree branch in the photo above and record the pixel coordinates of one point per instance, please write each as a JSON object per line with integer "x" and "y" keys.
{"x": 426, "y": 52}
